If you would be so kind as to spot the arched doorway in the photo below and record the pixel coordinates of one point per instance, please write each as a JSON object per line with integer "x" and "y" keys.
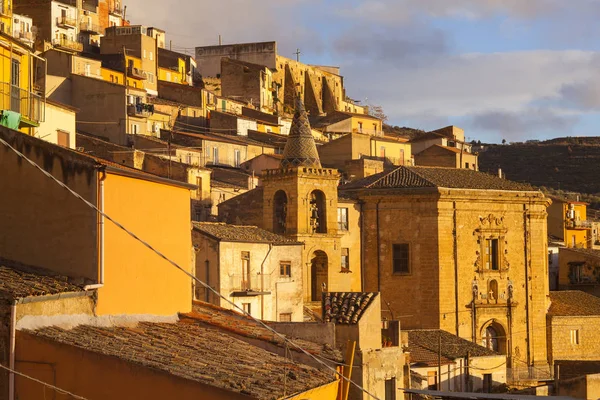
{"x": 493, "y": 337}
{"x": 318, "y": 212}
{"x": 280, "y": 203}
{"x": 318, "y": 273}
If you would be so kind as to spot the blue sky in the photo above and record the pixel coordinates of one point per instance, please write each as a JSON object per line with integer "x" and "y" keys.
{"x": 500, "y": 69}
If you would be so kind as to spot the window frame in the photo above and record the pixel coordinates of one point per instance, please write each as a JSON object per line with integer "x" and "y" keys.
{"x": 343, "y": 219}
{"x": 346, "y": 267}
{"x": 395, "y": 271}
{"x": 282, "y": 265}
{"x": 575, "y": 336}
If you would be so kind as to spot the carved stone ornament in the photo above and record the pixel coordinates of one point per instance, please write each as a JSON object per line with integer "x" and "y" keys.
{"x": 491, "y": 221}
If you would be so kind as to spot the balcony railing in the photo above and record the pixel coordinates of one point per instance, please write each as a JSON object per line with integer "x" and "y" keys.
{"x": 249, "y": 285}
{"x": 25, "y": 36}
{"x": 29, "y": 105}
{"x": 66, "y": 22}
{"x": 524, "y": 374}
{"x": 5, "y": 9}
{"x": 137, "y": 73}
{"x": 118, "y": 11}
{"x": 68, "y": 44}
{"x": 85, "y": 26}
{"x": 140, "y": 110}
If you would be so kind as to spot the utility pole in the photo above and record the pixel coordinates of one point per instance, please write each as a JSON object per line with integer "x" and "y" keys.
{"x": 297, "y": 53}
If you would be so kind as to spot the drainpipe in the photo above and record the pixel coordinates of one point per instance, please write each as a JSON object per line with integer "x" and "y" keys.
{"x": 101, "y": 232}
{"x": 262, "y": 283}
{"x": 378, "y": 248}
{"x": 11, "y": 351}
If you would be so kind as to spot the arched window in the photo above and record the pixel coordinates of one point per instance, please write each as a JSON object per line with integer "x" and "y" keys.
{"x": 493, "y": 290}
{"x": 493, "y": 337}
{"x": 280, "y": 212}
{"x": 318, "y": 216}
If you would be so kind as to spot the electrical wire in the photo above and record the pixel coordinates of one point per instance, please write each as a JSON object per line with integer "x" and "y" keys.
{"x": 177, "y": 266}
{"x": 59, "y": 390}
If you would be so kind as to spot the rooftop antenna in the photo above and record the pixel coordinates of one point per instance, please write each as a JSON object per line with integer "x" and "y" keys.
{"x": 220, "y": 42}
{"x": 297, "y": 53}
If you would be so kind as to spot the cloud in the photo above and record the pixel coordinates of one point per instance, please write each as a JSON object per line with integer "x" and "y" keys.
{"x": 582, "y": 95}
{"x": 531, "y": 122}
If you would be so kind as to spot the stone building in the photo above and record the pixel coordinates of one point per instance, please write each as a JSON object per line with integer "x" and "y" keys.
{"x": 261, "y": 272}
{"x": 579, "y": 269}
{"x": 461, "y": 251}
{"x": 300, "y": 200}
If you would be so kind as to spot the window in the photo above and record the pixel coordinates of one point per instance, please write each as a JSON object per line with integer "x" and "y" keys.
{"x": 285, "y": 269}
{"x": 246, "y": 307}
{"x": 62, "y": 138}
{"x": 360, "y": 127}
{"x": 151, "y": 56}
{"x": 487, "y": 383}
{"x": 345, "y": 259}
{"x": 432, "y": 381}
{"x": 245, "y": 270}
{"x": 169, "y": 76}
{"x": 150, "y": 77}
{"x": 215, "y": 155}
{"x": 236, "y": 158}
{"x": 112, "y": 78}
{"x": 16, "y": 72}
{"x": 199, "y": 190}
{"x": 491, "y": 254}
{"x": 144, "y": 53}
{"x": 382, "y": 152}
{"x": 342, "y": 219}
{"x": 401, "y": 259}
{"x": 467, "y": 165}
{"x": 575, "y": 336}
{"x": 135, "y": 129}
{"x": 88, "y": 69}
{"x": 390, "y": 389}
{"x": 285, "y": 317}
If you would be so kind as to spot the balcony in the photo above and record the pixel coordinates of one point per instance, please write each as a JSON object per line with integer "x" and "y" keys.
{"x": 116, "y": 11}
{"x": 136, "y": 73}
{"x": 249, "y": 285}
{"x": 88, "y": 27}
{"x": 141, "y": 110}
{"x": 67, "y": 44}
{"x": 5, "y": 10}
{"x": 29, "y": 105}
{"x": 66, "y": 22}
{"x": 24, "y": 36}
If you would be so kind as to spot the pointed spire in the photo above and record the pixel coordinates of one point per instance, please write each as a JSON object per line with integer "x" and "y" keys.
{"x": 300, "y": 148}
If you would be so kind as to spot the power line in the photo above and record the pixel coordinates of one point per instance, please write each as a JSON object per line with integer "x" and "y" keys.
{"x": 59, "y": 390}
{"x": 177, "y": 266}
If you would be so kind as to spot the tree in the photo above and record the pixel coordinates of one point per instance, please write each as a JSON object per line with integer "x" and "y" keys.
{"x": 503, "y": 141}
{"x": 377, "y": 112}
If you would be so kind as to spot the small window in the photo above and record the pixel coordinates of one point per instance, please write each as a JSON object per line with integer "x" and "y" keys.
{"x": 345, "y": 259}
{"x": 342, "y": 219}
{"x": 390, "y": 389}
{"x": 401, "y": 259}
{"x": 285, "y": 317}
{"x": 144, "y": 53}
{"x": 467, "y": 165}
{"x": 247, "y": 308}
{"x": 491, "y": 254}
{"x": 285, "y": 269}
{"x": 62, "y": 138}
{"x": 237, "y": 158}
{"x": 575, "y": 336}
{"x": 199, "y": 190}
{"x": 151, "y": 56}
{"x": 215, "y": 155}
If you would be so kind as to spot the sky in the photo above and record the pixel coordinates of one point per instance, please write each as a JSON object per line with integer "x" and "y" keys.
{"x": 500, "y": 69}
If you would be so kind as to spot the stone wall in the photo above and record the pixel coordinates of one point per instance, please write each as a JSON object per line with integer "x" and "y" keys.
{"x": 4, "y": 345}
{"x": 560, "y": 342}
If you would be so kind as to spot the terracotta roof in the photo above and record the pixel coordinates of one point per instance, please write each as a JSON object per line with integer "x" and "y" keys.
{"x": 272, "y": 139}
{"x": 431, "y": 177}
{"x": 300, "y": 148}
{"x": 587, "y": 252}
{"x": 229, "y": 176}
{"x": 346, "y": 307}
{"x": 428, "y": 136}
{"x": 423, "y": 357}
{"x": 190, "y": 351}
{"x": 453, "y": 347}
{"x": 571, "y": 303}
{"x": 241, "y": 233}
{"x": 244, "y": 327}
{"x": 337, "y": 116}
{"x": 18, "y": 281}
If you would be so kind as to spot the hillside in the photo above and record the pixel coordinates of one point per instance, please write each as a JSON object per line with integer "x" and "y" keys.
{"x": 571, "y": 164}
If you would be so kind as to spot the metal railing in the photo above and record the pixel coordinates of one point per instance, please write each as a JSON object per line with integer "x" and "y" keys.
{"x": 134, "y": 72}
{"x": 522, "y": 374}
{"x": 85, "y": 26}
{"x": 140, "y": 110}
{"x": 66, "y": 21}
{"x": 24, "y": 35}
{"x": 116, "y": 11}
{"x": 250, "y": 283}
{"x": 68, "y": 44}
{"x": 13, "y": 98}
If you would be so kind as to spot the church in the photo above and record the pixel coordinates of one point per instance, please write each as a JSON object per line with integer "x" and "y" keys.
{"x": 449, "y": 249}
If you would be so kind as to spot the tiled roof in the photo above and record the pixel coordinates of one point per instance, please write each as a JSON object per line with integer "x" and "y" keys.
{"x": 229, "y": 176}
{"x": 18, "y": 281}
{"x": 346, "y": 307}
{"x": 431, "y": 177}
{"x": 243, "y": 326}
{"x": 241, "y": 233}
{"x": 587, "y": 252}
{"x": 300, "y": 148}
{"x": 190, "y": 351}
{"x": 571, "y": 303}
{"x": 428, "y": 136}
{"x": 453, "y": 347}
{"x": 423, "y": 357}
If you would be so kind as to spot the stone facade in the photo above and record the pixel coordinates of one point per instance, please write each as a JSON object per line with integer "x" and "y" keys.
{"x": 448, "y": 285}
